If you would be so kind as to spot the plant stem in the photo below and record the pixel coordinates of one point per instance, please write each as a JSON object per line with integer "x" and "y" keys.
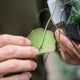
{"x": 78, "y": 29}
{"x": 47, "y": 26}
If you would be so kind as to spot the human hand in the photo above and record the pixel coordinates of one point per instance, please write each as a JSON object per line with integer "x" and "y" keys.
{"x": 68, "y": 52}
{"x": 12, "y": 50}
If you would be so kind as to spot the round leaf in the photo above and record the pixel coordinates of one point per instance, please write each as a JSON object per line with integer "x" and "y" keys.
{"x": 36, "y": 37}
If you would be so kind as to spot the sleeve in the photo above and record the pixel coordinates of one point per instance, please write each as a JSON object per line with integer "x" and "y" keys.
{"x": 57, "y": 13}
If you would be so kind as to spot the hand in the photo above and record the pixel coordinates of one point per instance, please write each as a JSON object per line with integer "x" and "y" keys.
{"x": 68, "y": 52}
{"x": 12, "y": 50}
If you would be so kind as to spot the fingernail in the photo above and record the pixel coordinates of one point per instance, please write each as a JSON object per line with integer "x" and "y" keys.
{"x": 64, "y": 39}
{"x": 34, "y": 65}
{"x": 28, "y": 42}
{"x": 30, "y": 75}
{"x": 36, "y": 51}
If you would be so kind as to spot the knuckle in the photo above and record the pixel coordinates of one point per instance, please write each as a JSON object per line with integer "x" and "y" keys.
{"x": 4, "y": 39}
{"x": 32, "y": 53}
{"x": 10, "y": 50}
{"x": 13, "y": 65}
{"x": 4, "y": 36}
{"x": 22, "y": 40}
{"x": 31, "y": 49}
{"x": 30, "y": 66}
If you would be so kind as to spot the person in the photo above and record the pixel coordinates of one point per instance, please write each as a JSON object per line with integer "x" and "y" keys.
{"x": 17, "y": 18}
{"x": 14, "y": 20}
{"x": 68, "y": 52}
{"x": 12, "y": 50}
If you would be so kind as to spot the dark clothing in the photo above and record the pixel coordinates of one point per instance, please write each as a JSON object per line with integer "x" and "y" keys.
{"x": 73, "y": 29}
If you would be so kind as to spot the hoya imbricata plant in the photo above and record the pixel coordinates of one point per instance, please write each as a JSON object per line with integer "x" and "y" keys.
{"x": 43, "y": 39}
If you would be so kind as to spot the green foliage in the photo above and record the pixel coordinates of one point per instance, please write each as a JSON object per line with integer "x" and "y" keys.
{"x": 36, "y": 37}
{"x": 74, "y": 17}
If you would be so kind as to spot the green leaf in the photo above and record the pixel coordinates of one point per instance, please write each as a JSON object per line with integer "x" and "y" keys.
{"x": 36, "y": 37}
{"x": 74, "y": 17}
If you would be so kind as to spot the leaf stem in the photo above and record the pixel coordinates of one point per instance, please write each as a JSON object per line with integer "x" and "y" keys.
{"x": 78, "y": 29}
{"x": 47, "y": 26}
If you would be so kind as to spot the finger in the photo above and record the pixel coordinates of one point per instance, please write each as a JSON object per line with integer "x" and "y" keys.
{"x": 14, "y": 40}
{"x": 64, "y": 55}
{"x": 60, "y": 34}
{"x": 23, "y": 76}
{"x": 65, "y": 41}
{"x": 69, "y": 52}
{"x": 68, "y": 59}
{"x": 14, "y": 65}
{"x": 11, "y": 51}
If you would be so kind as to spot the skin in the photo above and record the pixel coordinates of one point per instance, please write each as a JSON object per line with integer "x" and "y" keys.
{"x": 12, "y": 50}
{"x": 67, "y": 51}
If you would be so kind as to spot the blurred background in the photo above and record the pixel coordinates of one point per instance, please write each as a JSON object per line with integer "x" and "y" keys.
{"x": 19, "y": 17}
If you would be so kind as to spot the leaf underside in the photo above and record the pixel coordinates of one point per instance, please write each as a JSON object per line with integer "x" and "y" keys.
{"x": 36, "y": 37}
